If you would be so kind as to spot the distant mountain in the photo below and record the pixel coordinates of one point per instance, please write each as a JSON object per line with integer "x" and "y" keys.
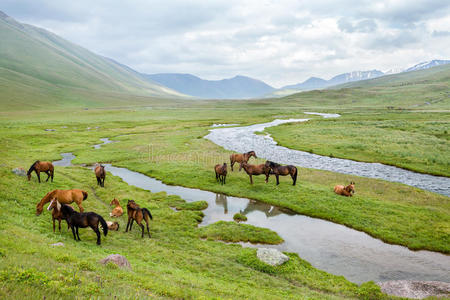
{"x": 238, "y": 87}
{"x": 427, "y": 65}
{"x": 37, "y": 63}
{"x": 310, "y": 84}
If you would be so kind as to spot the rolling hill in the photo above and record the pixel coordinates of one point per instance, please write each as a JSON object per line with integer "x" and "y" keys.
{"x": 39, "y": 66}
{"x": 238, "y": 87}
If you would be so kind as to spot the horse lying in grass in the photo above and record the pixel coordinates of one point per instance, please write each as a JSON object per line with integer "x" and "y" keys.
{"x": 278, "y": 170}
{"x": 117, "y": 210}
{"x": 83, "y": 220}
{"x": 100, "y": 174}
{"x": 135, "y": 212}
{"x": 348, "y": 190}
{"x": 114, "y": 226}
{"x": 255, "y": 170}
{"x": 221, "y": 172}
{"x": 41, "y": 166}
{"x": 55, "y": 207}
{"x": 239, "y": 158}
{"x": 64, "y": 197}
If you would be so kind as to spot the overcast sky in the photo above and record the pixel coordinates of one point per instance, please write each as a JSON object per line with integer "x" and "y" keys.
{"x": 279, "y": 42}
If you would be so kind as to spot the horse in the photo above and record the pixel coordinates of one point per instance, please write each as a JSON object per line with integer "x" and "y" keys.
{"x": 41, "y": 166}
{"x": 135, "y": 212}
{"x": 83, "y": 220}
{"x": 238, "y": 158}
{"x": 255, "y": 170}
{"x": 348, "y": 190}
{"x": 55, "y": 207}
{"x": 113, "y": 226}
{"x": 64, "y": 197}
{"x": 278, "y": 170}
{"x": 117, "y": 210}
{"x": 100, "y": 174}
{"x": 221, "y": 172}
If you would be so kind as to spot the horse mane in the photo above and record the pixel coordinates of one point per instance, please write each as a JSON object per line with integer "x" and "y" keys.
{"x": 249, "y": 152}
{"x": 33, "y": 166}
{"x": 273, "y": 164}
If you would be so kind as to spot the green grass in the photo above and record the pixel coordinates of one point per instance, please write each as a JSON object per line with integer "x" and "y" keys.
{"x": 238, "y": 217}
{"x": 234, "y": 232}
{"x": 417, "y": 141}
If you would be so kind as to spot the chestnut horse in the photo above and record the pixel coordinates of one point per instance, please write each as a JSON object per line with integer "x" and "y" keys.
{"x": 221, "y": 172}
{"x": 345, "y": 190}
{"x": 64, "y": 197}
{"x": 117, "y": 210}
{"x": 55, "y": 207}
{"x": 278, "y": 170}
{"x": 135, "y": 212}
{"x": 41, "y": 166}
{"x": 255, "y": 170}
{"x": 238, "y": 158}
{"x": 100, "y": 174}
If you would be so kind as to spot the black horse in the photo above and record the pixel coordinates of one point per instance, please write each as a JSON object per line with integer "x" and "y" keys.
{"x": 278, "y": 170}
{"x": 83, "y": 220}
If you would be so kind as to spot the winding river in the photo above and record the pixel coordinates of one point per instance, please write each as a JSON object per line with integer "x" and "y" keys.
{"x": 243, "y": 139}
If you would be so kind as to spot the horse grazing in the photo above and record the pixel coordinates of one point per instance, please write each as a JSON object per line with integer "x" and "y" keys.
{"x": 55, "y": 207}
{"x": 278, "y": 170}
{"x": 135, "y": 212}
{"x": 64, "y": 197}
{"x": 113, "y": 226}
{"x": 221, "y": 172}
{"x": 83, "y": 220}
{"x": 100, "y": 174}
{"x": 239, "y": 158}
{"x": 41, "y": 166}
{"x": 117, "y": 210}
{"x": 255, "y": 170}
{"x": 348, "y": 190}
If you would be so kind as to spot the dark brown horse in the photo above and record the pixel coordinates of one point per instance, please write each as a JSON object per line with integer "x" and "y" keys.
{"x": 221, "y": 172}
{"x": 55, "y": 207}
{"x": 100, "y": 174}
{"x": 135, "y": 212}
{"x": 83, "y": 220}
{"x": 348, "y": 190}
{"x": 41, "y": 166}
{"x": 278, "y": 170}
{"x": 238, "y": 158}
{"x": 255, "y": 170}
{"x": 64, "y": 197}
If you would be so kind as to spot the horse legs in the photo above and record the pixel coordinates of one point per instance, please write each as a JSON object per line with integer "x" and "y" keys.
{"x": 54, "y": 225}
{"x": 48, "y": 176}
{"x": 59, "y": 225}
{"x": 143, "y": 229}
{"x": 73, "y": 231}
{"x": 52, "y": 172}
{"x": 78, "y": 234}
{"x": 128, "y": 223}
{"x": 217, "y": 177}
{"x": 38, "y": 176}
{"x": 99, "y": 181}
{"x": 224, "y": 178}
{"x": 251, "y": 179}
{"x": 232, "y": 164}
{"x": 98, "y": 234}
{"x": 131, "y": 224}
{"x": 148, "y": 230}
{"x": 103, "y": 182}
{"x": 278, "y": 178}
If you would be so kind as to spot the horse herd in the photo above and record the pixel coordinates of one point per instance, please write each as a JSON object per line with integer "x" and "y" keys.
{"x": 60, "y": 199}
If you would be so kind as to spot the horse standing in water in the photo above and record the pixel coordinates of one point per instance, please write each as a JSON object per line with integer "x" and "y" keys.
{"x": 278, "y": 170}
{"x": 221, "y": 173}
{"x": 348, "y": 190}
{"x": 41, "y": 166}
{"x": 255, "y": 170}
{"x": 135, "y": 212}
{"x": 64, "y": 197}
{"x": 238, "y": 158}
{"x": 100, "y": 174}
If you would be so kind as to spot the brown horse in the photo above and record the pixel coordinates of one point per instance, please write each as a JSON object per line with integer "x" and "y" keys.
{"x": 117, "y": 210}
{"x": 348, "y": 190}
{"x": 114, "y": 226}
{"x": 278, "y": 170}
{"x": 64, "y": 197}
{"x": 41, "y": 166}
{"x": 55, "y": 207}
{"x": 135, "y": 212}
{"x": 100, "y": 174}
{"x": 221, "y": 172}
{"x": 238, "y": 158}
{"x": 255, "y": 170}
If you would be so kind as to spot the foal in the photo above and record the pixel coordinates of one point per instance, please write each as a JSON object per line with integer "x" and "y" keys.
{"x": 55, "y": 207}
{"x": 100, "y": 174}
{"x": 255, "y": 170}
{"x": 221, "y": 172}
{"x": 136, "y": 213}
{"x": 41, "y": 166}
{"x": 238, "y": 158}
{"x": 117, "y": 210}
{"x": 348, "y": 190}
{"x": 83, "y": 220}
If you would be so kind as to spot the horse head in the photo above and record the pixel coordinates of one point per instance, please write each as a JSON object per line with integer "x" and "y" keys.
{"x": 251, "y": 153}
{"x": 243, "y": 164}
{"x": 351, "y": 187}
{"x": 114, "y": 202}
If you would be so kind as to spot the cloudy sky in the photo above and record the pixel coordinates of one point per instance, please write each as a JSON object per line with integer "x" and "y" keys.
{"x": 280, "y": 42}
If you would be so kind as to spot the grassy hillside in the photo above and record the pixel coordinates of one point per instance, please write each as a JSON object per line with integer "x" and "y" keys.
{"x": 33, "y": 59}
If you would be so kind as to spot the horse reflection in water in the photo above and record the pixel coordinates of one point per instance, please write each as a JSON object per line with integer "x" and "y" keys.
{"x": 267, "y": 209}
{"x": 221, "y": 199}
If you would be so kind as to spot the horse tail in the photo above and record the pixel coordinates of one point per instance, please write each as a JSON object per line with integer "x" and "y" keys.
{"x": 104, "y": 225}
{"x": 147, "y": 212}
{"x": 85, "y": 195}
{"x": 33, "y": 166}
{"x": 295, "y": 175}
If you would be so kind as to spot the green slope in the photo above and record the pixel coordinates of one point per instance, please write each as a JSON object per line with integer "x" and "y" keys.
{"x": 33, "y": 59}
